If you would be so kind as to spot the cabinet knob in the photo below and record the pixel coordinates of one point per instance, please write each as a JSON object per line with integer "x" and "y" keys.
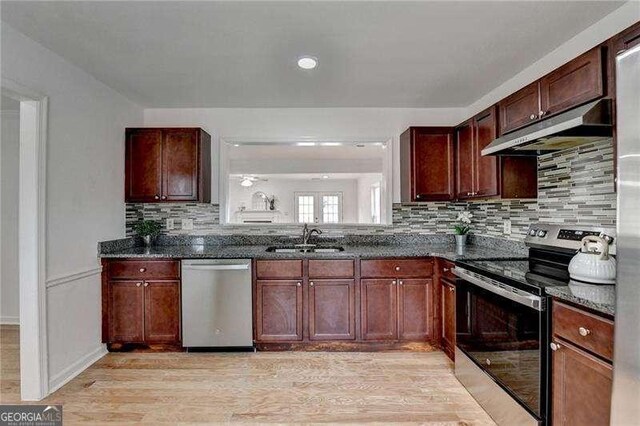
{"x": 418, "y": 196}
{"x": 157, "y": 197}
{"x": 393, "y": 282}
{"x": 451, "y": 289}
{"x": 554, "y": 346}
{"x": 533, "y": 116}
{"x": 146, "y": 284}
{"x": 445, "y": 269}
{"x": 143, "y": 269}
{"x": 311, "y": 283}
{"x": 584, "y": 331}
{"x": 400, "y": 282}
{"x": 164, "y": 197}
{"x": 542, "y": 113}
{"x": 488, "y": 361}
{"x": 469, "y": 193}
{"x": 298, "y": 284}
{"x": 138, "y": 284}
{"x": 397, "y": 268}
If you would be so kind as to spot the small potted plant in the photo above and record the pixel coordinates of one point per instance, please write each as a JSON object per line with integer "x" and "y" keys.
{"x": 147, "y": 229}
{"x": 462, "y": 228}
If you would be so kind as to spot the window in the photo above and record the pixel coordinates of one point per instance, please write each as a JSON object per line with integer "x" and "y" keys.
{"x": 318, "y": 207}
{"x": 375, "y": 203}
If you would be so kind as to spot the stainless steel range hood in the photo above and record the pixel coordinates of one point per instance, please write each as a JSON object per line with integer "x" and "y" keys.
{"x": 588, "y": 123}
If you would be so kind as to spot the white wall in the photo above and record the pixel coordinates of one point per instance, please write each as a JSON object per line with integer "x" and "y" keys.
{"x": 10, "y": 154}
{"x": 85, "y": 192}
{"x": 610, "y": 25}
{"x": 318, "y": 123}
{"x": 284, "y": 190}
{"x": 364, "y": 198}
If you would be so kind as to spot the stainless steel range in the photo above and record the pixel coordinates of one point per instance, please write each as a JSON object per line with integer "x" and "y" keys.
{"x": 502, "y": 321}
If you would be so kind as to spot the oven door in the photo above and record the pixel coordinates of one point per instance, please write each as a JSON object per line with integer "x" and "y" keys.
{"x": 501, "y": 330}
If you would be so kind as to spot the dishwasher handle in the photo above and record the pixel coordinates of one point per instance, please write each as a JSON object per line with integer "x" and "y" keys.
{"x": 212, "y": 267}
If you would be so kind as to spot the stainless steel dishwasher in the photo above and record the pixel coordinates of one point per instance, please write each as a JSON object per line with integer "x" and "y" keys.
{"x": 217, "y": 308}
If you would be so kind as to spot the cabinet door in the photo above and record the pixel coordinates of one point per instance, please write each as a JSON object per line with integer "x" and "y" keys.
{"x": 581, "y": 393}
{"x": 464, "y": 160}
{"x": 379, "y": 309}
{"x": 574, "y": 83}
{"x": 432, "y": 164}
{"x": 415, "y": 302}
{"x": 332, "y": 306}
{"x": 278, "y": 310}
{"x": 180, "y": 165}
{"x": 520, "y": 108}
{"x": 162, "y": 312}
{"x": 143, "y": 169}
{"x": 486, "y": 168}
{"x": 126, "y": 312}
{"x": 448, "y": 301}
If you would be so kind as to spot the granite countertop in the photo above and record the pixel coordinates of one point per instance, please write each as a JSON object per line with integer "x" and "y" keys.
{"x": 600, "y": 298}
{"x": 447, "y": 251}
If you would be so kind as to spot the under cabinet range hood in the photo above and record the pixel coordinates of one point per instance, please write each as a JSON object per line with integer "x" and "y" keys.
{"x": 588, "y": 123}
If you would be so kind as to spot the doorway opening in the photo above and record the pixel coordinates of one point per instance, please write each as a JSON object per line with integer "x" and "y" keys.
{"x": 22, "y": 243}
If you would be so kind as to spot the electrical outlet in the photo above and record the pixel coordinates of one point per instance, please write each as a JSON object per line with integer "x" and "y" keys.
{"x": 507, "y": 227}
{"x": 187, "y": 224}
{"x": 171, "y": 224}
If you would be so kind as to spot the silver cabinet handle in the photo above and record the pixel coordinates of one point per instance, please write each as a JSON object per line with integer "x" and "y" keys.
{"x": 397, "y": 268}
{"x": 488, "y": 361}
{"x": 311, "y": 283}
{"x": 542, "y": 113}
{"x": 393, "y": 282}
{"x": 584, "y": 332}
{"x": 554, "y": 346}
{"x": 138, "y": 284}
{"x": 146, "y": 284}
{"x": 164, "y": 197}
{"x": 469, "y": 193}
{"x": 143, "y": 269}
{"x": 445, "y": 269}
{"x": 298, "y": 284}
{"x": 451, "y": 289}
{"x": 157, "y": 197}
{"x": 400, "y": 282}
{"x": 533, "y": 116}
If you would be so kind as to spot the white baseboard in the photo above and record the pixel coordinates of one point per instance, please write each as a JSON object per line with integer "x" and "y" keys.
{"x": 6, "y": 320}
{"x": 62, "y": 378}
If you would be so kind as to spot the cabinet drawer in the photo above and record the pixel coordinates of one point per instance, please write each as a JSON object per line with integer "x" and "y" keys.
{"x": 584, "y": 329}
{"x": 445, "y": 268}
{"x": 331, "y": 268}
{"x": 144, "y": 269}
{"x": 279, "y": 269}
{"x": 397, "y": 268}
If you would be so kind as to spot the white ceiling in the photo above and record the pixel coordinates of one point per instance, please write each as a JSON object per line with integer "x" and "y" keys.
{"x": 243, "y": 54}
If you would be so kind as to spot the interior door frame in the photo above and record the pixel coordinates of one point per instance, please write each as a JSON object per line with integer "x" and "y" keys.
{"x": 34, "y": 371}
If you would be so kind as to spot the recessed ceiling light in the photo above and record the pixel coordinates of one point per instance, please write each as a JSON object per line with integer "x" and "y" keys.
{"x": 330, "y": 144}
{"x": 307, "y": 62}
{"x": 325, "y": 177}
{"x": 306, "y": 144}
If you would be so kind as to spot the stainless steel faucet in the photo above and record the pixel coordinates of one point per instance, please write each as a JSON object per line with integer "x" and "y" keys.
{"x": 306, "y": 234}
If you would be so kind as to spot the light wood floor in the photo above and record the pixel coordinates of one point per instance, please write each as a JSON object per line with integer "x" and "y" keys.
{"x": 266, "y": 387}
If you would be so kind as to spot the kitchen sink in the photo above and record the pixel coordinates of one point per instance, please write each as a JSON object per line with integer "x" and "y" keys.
{"x": 308, "y": 249}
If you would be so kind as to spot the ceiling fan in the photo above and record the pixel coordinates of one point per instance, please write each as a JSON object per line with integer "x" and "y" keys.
{"x": 247, "y": 180}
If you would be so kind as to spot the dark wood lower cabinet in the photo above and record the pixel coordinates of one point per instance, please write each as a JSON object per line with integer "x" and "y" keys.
{"x": 379, "y": 309}
{"x": 332, "y": 307}
{"x": 415, "y": 298}
{"x": 162, "y": 311}
{"x": 126, "y": 313}
{"x": 582, "y": 386}
{"x": 448, "y": 307}
{"x": 278, "y": 310}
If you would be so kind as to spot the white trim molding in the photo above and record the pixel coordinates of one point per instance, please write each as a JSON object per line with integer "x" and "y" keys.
{"x": 7, "y": 320}
{"x": 77, "y": 367}
{"x": 66, "y": 279}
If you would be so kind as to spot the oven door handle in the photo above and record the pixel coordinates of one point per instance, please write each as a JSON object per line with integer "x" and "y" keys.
{"x": 506, "y": 291}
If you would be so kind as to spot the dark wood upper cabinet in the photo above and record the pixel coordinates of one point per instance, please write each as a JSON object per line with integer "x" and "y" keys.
{"x": 574, "y": 83}
{"x": 278, "y": 310}
{"x": 520, "y": 109}
{"x": 427, "y": 164}
{"x": 332, "y": 306}
{"x": 379, "y": 309}
{"x": 464, "y": 160}
{"x": 162, "y": 311}
{"x": 487, "y": 170}
{"x": 168, "y": 164}
{"x": 415, "y": 300}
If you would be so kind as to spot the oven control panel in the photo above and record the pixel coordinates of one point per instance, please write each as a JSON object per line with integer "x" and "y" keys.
{"x": 566, "y": 236}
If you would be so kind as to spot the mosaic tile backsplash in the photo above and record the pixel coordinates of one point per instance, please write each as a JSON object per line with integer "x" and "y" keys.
{"x": 575, "y": 186}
